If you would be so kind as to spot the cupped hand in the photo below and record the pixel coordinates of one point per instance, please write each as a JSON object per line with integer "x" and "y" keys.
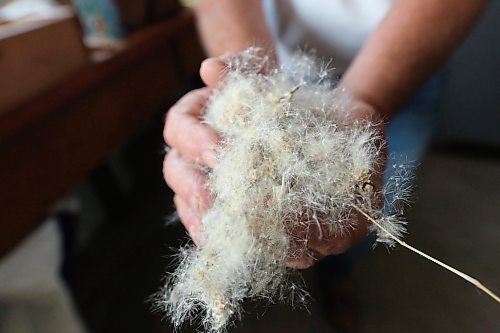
{"x": 193, "y": 147}
{"x": 321, "y": 242}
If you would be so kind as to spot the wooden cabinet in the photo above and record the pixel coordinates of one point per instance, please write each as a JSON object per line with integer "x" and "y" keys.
{"x": 54, "y": 140}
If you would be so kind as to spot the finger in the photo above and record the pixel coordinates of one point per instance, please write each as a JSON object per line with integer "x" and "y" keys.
{"x": 332, "y": 246}
{"x": 212, "y": 71}
{"x": 187, "y": 181}
{"x": 312, "y": 232}
{"x": 303, "y": 260}
{"x": 338, "y": 240}
{"x": 196, "y": 98}
{"x": 189, "y": 218}
{"x": 184, "y": 131}
{"x": 302, "y": 263}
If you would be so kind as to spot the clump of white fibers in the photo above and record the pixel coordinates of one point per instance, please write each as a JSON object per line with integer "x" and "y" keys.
{"x": 289, "y": 160}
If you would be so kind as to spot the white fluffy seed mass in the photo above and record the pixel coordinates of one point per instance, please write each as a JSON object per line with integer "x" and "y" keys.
{"x": 289, "y": 161}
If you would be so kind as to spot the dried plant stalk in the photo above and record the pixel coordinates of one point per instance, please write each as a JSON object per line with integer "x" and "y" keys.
{"x": 455, "y": 271}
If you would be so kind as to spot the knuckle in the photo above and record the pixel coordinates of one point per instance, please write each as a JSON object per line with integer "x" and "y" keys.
{"x": 167, "y": 167}
{"x": 197, "y": 191}
{"x": 302, "y": 263}
{"x": 185, "y": 180}
{"x": 329, "y": 248}
{"x": 191, "y": 94}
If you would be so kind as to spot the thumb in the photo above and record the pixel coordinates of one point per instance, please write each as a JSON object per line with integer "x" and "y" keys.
{"x": 212, "y": 70}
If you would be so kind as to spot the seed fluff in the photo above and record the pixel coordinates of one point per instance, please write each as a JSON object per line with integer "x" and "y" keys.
{"x": 290, "y": 159}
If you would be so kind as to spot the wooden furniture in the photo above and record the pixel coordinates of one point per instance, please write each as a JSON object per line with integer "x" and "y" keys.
{"x": 54, "y": 140}
{"x": 37, "y": 52}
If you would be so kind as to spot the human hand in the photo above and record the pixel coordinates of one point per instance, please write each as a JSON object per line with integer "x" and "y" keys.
{"x": 321, "y": 241}
{"x": 193, "y": 144}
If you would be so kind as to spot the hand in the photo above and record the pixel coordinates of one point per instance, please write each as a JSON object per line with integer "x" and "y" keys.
{"x": 321, "y": 242}
{"x": 193, "y": 144}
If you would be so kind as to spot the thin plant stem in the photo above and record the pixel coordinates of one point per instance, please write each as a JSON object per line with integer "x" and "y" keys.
{"x": 464, "y": 276}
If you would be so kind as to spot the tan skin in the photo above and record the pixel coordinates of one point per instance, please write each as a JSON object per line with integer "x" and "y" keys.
{"x": 412, "y": 42}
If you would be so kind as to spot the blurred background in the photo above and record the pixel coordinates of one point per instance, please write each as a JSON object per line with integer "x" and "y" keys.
{"x": 84, "y": 86}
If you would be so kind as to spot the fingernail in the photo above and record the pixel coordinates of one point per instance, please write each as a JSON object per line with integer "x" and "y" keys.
{"x": 209, "y": 157}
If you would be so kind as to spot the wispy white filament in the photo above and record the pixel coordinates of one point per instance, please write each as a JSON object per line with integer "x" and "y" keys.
{"x": 289, "y": 160}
